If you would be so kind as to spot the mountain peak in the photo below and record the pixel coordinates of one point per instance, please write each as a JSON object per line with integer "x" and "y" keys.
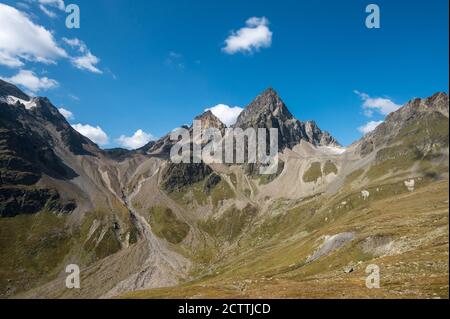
{"x": 427, "y": 114}
{"x": 209, "y": 120}
{"x": 268, "y": 110}
{"x": 267, "y": 104}
{"x": 270, "y": 92}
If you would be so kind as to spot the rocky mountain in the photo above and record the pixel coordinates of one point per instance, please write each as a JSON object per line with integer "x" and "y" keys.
{"x": 50, "y": 178}
{"x": 134, "y": 221}
{"x": 209, "y": 120}
{"x": 8, "y": 89}
{"x": 163, "y": 145}
{"x": 27, "y": 152}
{"x": 266, "y": 111}
{"x": 269, "y": 111}
{"x": 421, "y": 121}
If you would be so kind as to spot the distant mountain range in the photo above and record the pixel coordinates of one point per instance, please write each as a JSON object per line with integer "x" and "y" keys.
{"x": 133, "y": 221}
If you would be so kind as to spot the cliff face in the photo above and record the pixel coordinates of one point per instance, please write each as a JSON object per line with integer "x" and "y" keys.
{"x": 269, "y": 111}
{"x": 31, "y": 133}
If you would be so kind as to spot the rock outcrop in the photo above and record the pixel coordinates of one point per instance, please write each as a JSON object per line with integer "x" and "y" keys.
{"x": 269, "y": 111}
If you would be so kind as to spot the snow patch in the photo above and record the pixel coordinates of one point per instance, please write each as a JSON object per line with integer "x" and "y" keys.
{"x": 336, "y": 150}
{"x": 12, "y": 100}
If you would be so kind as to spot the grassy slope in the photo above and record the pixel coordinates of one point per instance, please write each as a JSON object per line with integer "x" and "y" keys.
{"x": 329, "y": 167}
{"x": 270, "y": 262}
{"x": 166, "y": 225}
{"x": 419, "y": 141}
{"x": 197, "y": 193}
{"x": 31, "y": 246}
{"x": 313, "y": 173}
{"x": 34, "y": 249}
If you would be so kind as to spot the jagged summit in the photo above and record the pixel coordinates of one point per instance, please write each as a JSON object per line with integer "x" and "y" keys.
{"x": 209, "y": 120}
{"x": 41, "y": 120}
{"x": 269, "y": 111}
{"x": 164, "y": 144}
{"x": 265, "y": 105}
{"x": 438, "y": 102}
{"x": 424, "y": 120}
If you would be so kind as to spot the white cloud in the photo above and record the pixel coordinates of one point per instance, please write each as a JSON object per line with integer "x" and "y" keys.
{"x": 31, "y": 82}
{"x": 369, "y": 127}
{"x": 47, "y": 12}
{"x": 139, "y": 139}
{"x": 76, "y": 43}
{"x": 10, "y": 60}
{"x": 54, "y": 3}
{"x": 95, "y": 134}
{"x": 22, "y": 40}
{"x": 254, "y": 36}
{"x": 228, "y": 115}
{"x": 66, "y": 113}
{"x": 87, "y": 61}
{"x": 381, "y": 105}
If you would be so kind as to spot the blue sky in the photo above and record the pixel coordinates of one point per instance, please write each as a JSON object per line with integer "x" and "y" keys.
{"x": 160, "y": 63}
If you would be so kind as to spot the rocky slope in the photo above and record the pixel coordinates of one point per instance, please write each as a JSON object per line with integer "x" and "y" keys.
{"x": 331, "y": 213}
{"x": 133, "y": 220}
{"x": 48, "y": 171}
{"x": 269, "y": 111}
{"x": 424, "y": 118}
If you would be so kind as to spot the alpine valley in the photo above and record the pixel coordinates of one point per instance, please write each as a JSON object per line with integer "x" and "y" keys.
{"x": 140, "y": 226}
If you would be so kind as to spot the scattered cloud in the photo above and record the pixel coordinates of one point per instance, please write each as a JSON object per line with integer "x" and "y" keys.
{"x": 23, "y": 5}
{"x": 139, "y": 139}
{"x": 74, "y": 97}
{"x": 59, "y": 4}
{"x": 251, "y": 38}
{"x": 45, "y": 6}
{"x": 95, "y": 134}
{"x": 369, "y": 127}
{"x": 382, "y": 105}
{"x": 9, "y": 60}
{"x": 76, "y": 43}
{"x": 228, "y": 115}
{"x": 175, "y": 55}
{"x": 31, "y": 82}
{"x": 66, "y": 113}
{"x": 47, "y": 12}
{"x": 86, "y": 61}
{"x": 175, "y": 59}
{"x": 22, "y": 40}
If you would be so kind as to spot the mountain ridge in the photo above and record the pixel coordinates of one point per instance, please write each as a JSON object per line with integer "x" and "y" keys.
{"x": 143, "y": 222}
{"x": 268, "y": 110}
